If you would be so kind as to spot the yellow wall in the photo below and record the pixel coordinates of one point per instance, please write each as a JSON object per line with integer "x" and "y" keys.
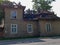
{"x": 55, "y": 28}
{"x": 22, "y": 25}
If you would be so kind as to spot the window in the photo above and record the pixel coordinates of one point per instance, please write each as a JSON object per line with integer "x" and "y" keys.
{"x": 48, "y": 27}
{"x": 13, "y": 14}
{"x": 29, "y": 28}
{"x": 14, "y": 28}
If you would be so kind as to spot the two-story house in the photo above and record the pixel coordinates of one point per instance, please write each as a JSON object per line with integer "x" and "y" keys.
{"x": 18, "y": 24}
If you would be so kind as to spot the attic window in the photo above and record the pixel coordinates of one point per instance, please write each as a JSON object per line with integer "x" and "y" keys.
{"x": 15, "y": 6}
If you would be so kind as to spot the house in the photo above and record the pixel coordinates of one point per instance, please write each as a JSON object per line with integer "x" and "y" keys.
{"x": 19, "y": 24}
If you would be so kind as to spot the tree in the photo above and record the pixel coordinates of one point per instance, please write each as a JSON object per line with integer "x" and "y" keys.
{"x": 42, "y": 4}
{"x": 28, "y": 11}
{"x": 3, "y": 0}
{"x": 1, "y": 10}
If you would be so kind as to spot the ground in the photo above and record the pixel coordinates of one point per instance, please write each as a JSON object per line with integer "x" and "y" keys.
{"x": 32, "y": 41}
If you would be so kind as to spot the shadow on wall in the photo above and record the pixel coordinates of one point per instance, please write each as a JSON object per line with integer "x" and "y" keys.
{"x": 21, "y": 41}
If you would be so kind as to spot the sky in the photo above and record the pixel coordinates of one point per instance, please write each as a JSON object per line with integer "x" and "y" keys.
{"x": 28, "y": 4}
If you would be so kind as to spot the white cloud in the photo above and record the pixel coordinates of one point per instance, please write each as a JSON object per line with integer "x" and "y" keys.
{"x": 56, "y": 7}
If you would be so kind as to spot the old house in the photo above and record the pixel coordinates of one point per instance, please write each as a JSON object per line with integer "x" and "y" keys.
{"x": 19, "y": 24}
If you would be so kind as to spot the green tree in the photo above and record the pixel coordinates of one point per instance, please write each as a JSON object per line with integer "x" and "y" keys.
{"x": 3, "y": 0}
{"x": 42, "y": 4}
{"x": 1, "y": 10}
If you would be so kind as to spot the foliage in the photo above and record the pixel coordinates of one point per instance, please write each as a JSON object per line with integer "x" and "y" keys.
{"x": 28, "y": 11}
{"x": 42, "y": 4}
{"x": 3, "y": 0}
{"x": 1, "y": 10}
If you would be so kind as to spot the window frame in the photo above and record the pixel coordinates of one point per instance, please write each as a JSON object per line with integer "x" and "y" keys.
{"x": 11, "y": 14}
{"x": 31, "y": 29}
{"x": 12, "y": 28}
{"x": 49, "y": 27}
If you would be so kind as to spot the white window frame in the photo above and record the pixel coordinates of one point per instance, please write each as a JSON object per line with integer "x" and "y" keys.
{"x": 11, "y": 14}
{"x": 31, "y": 27}
{"x": 50, "y": 27}
{"x": 13, "y": 27}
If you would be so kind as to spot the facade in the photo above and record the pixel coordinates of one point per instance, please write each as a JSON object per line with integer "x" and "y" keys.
{"x": 18, "y": 24}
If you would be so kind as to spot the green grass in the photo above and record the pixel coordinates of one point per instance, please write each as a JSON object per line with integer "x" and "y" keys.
{"x": 28, "y": 37}
{"x": 18, "y": 38}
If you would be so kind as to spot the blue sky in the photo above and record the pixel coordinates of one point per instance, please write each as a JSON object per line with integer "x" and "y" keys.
{"x": 28, "y": 4}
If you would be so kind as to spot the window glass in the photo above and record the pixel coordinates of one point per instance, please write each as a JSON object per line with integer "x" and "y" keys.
{"x": 29, "y": 28}
{"x": 48, "y": 27}
{"x": 13, "y": 14}
{"x": 14, "y": 28}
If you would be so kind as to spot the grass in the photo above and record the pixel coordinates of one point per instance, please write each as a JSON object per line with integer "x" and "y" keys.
{"x": 29, "y": 37}
{"x": 18, "y": 38}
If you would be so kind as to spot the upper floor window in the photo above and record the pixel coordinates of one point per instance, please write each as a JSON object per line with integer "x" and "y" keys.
{"x": 29, "y": 28}
{"x": 48, "y": 27}
{"x": 13, "y": 14}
